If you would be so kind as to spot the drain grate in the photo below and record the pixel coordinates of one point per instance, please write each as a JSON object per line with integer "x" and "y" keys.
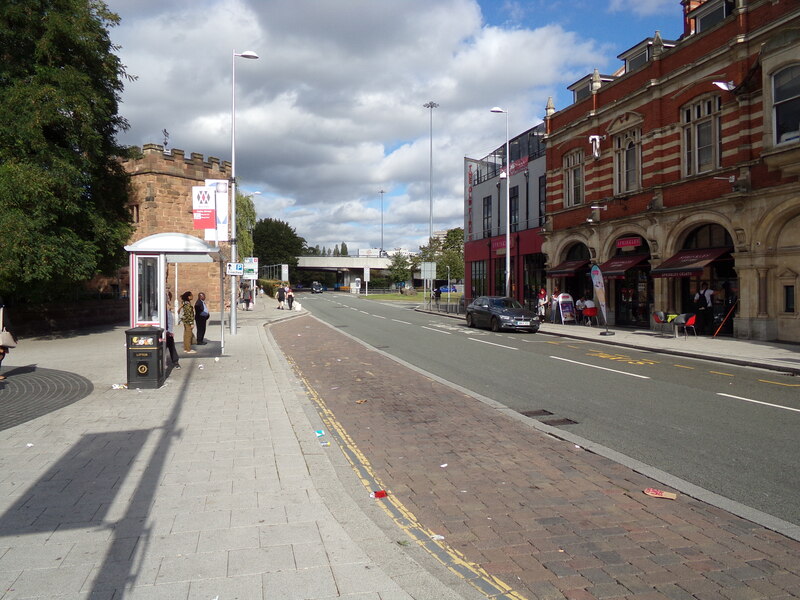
{"x": 559, "y": 422}
{"x": 536, "y": 413}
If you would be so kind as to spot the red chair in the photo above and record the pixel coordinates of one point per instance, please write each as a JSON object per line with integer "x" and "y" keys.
{"x": 589, "y": 314}
{"x": 685, "y": 321}
{"x": 660, "y": 319}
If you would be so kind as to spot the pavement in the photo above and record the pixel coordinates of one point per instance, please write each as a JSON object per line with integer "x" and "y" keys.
{"x": 250, "y": 477}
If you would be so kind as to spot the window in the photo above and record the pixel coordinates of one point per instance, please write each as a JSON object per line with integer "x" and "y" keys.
{"x": 542, "y": 198}
{"x": 573, "y": 179}
{"x": 478, "y": 269}
{"x": 788, "y": 298}
{"x": 627, "y": 163}
{"x": 702, "y": 142}
{"x": 513, "y": 200}
{"x": 487, "y": 216}
{"x": 711, "y": 13}
{"x": 786, "y": 84}
{"x": 637, "y": 60}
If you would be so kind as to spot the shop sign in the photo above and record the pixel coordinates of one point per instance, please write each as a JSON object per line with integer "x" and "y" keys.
{"x": 629, "y": 242}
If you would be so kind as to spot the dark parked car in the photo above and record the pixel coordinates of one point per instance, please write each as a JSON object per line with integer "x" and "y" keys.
{"x": 498, "y": 312}
{"x": 316, "y": 287}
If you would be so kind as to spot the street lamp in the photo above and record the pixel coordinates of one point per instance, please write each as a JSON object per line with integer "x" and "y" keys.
{"x": 507, "y": 174}
{"x": 234, "y": 257}
{"x": 431, "y": 105}
{"x": 381, "y": 192}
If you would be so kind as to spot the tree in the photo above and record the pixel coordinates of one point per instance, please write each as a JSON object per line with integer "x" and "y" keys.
{"x": 399, "y": 268}
{"x": 336, "y": 250}
{"x": 63, "y": 191}
{"x": 276, "y": 243}
{"x": 245, "y": 223}
{"x": 343, "y": 249}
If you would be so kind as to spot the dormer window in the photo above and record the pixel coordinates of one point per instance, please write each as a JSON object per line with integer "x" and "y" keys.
{"x": 711, "y": 13}
{"x": 582, "y": 88}
{"x": 638, "y": 56}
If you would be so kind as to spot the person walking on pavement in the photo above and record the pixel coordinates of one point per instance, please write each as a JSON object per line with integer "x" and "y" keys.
{"x": 173, "y": 353}
{"x": 704, "y": 303}
{"x": 542, "y": 303}
{"x": 201, "y": 317}
{"x": 281, "y": 297}
{"x": 290, "y": 298}
{"x": 187, "y": 318}
{"x": 5, "y": 325}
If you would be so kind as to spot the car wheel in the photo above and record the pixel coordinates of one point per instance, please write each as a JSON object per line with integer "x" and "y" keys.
{"x": 495, "y": 324}
{"x": 470, "y": 321}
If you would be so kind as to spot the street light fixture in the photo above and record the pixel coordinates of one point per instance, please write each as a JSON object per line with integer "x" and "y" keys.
{"x": 234, "y": 257}
{"x": 497, "y": 109}
{"x": 431, "y": 105}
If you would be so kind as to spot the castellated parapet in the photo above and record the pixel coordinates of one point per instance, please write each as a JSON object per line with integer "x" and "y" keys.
{"x": 160, "y": 200}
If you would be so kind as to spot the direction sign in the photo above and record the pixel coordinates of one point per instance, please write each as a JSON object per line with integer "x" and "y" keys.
{"x": 236, "y": 269}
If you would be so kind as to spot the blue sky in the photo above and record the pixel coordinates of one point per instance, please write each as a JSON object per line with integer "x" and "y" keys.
{"x": 332, "y": 112}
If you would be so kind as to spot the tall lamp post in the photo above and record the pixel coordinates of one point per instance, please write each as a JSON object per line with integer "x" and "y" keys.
{"x": 497, "y": 109}
{"x": 431, "y": 105}
{"x": 381, "y": 192}
{"x": 234, "y": 257}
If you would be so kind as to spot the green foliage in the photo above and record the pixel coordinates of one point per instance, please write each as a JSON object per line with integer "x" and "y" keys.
{"x": 447, "y": 252}
{"x": 245, "y": 222}
{"x": 399, "y": 269}
{"x": 275, "y": 243}
{"x": 336, "y": 250}
{"x": 343, "y": 249}
{"x": 62, "y": 189}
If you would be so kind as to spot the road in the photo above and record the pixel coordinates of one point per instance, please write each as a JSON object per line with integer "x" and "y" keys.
{"x": 716, "y": 426}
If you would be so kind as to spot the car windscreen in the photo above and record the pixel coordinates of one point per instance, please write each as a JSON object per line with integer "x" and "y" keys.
{"x": 506, "y": 303}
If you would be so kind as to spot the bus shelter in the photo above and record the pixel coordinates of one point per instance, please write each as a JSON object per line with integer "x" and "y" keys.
{"x": 150, "y": 258}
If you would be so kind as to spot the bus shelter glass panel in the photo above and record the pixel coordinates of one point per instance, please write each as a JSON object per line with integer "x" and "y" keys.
{"x": 147, "y": 302}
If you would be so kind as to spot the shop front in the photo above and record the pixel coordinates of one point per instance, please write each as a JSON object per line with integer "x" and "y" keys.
{"x": 629, "y": 270}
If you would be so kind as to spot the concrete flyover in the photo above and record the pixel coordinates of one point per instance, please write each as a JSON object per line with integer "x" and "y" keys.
{"x": 351, "y": 267}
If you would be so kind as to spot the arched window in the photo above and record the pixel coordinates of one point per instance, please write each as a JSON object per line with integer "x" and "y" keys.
{"x": 702, "y": 141}
{"x": 627, "y": 149}
{"x": 786, "y": 94}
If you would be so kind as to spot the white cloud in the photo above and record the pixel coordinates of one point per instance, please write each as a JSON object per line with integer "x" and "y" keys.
{"x": 332, "y": 111}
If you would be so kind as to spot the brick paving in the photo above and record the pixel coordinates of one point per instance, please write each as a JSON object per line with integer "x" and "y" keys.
{"x": 546, "y": 517}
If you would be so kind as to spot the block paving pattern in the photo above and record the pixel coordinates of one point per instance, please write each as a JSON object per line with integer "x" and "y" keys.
{"x": 549, "y": 518}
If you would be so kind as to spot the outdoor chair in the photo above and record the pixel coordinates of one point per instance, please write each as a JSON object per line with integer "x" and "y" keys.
{"x": 660, "y": 319}
{"x": 589, "y": 314}
{"x": 684, "y": 321}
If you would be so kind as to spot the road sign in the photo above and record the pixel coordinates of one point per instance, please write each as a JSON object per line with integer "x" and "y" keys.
{"x": 251, "y": 267}
{"x": 236, "y": 269}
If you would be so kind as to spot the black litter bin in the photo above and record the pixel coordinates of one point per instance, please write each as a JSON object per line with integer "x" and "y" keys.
{"x": 145, "y": 353}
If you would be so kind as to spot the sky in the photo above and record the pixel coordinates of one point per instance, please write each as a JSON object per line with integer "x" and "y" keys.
{"x": 332, "y": 111}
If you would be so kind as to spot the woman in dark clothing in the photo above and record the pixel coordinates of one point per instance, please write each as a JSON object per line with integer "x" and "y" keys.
{"x": 5, "y": 323}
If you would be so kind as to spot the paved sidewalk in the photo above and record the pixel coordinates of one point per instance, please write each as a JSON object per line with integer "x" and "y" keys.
{"x": 213, "y": 487}
{"x": 524, "y": 509}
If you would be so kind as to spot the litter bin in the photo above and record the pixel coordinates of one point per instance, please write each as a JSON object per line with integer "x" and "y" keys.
{"x": 145, "y": 353}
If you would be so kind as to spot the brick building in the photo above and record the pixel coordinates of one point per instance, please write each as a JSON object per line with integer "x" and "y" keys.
{"x": 161, "y": 201}
{"x": 682, "y": 167}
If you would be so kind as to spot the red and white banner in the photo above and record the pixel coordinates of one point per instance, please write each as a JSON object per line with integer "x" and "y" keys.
{"x": 203, "y": 207}
{"x": 220, "y": 232}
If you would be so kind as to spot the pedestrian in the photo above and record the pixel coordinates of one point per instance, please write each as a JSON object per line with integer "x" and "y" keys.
{"x": 281, "y": 297}
{"x": 542, "y": 303}
{"x": 7, "y": 338}
{"x": 437, "y": 294}
{"x": 247, "y": 296}
{"x": 554, "y": 304}
{"x": 290, "y": 298}
{"x": 704, "y": 306}
{"x": 579, "y": 306}
{"x": 187, "y": 318}
{"x": 201, "y": 317}
{"x": 173, "y": 353}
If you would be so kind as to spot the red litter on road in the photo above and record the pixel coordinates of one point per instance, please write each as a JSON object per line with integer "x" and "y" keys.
{"x": 660, "y": 494}
{"x": 378, "y": 494}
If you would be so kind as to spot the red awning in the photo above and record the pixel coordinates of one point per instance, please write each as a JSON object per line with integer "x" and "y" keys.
{"x": 567, "y": 268}
{"x": 615, "y": 268}
{"x": 688, "y": 262}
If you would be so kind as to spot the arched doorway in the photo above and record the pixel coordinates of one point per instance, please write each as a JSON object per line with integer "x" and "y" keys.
{"x": 629, "y": 269}
{"x": 573, "y": 275}
{"x": 705, "y": 258}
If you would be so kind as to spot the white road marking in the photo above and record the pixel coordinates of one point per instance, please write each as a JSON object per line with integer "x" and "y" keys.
{"x": 436, "y": 330}
{"x": 399, "y": 321}
{"x": 378, "y": 317}
{"x": 602, "y": 368}
{"x": 492, "y": 343}
{"x": 759, "y": 402}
